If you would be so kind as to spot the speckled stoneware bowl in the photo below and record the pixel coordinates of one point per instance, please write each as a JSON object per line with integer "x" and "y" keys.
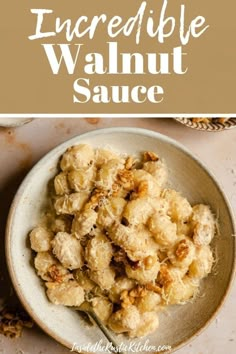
{"x": 208, "y": 127}
{"x": 187, "y": 174}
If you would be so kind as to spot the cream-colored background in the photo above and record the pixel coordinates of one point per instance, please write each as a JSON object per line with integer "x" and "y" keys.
{"x": 28, "y": 86}
{"x": 22, "y": 147}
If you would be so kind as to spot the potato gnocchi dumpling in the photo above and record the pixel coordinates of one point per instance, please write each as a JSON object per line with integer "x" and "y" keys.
{"x": 77, "y": 157}
{"x": 180, "y": 290}
{"x": 115, "y": 236}
{"x": 179, "y": 207}
{"x": 49, "y": 268}
{"x": 104, "y": 278}
{"x": 83, "y": 280}
{"x": 122, "y": 283}
{"x": 125, "y": 319}
{"x": 81, "y": 179}
{"x": 40, "y": 239}
{"x": 183, "y": 253}
{"x": 111, "y": 211}
{"x": 83, "y": 222}
{"x": 148, "y": 324}
{"x": 145, "y": 185}
{"x": 61, "y": 184}
{"x": 106, "y": 175}
{"x": 142, "y": 274}
{"x": 136, "y": 242}
{"x": 163, "y": 229}
{"x": 103, "y": 308}
{"x": 149, "y": 302}
{"x": 98, "y": 252}
{"x": 68, "y": 294}
{"x": 202, "y": 263}
{"x": 137, "y": 211}
{"x": 102, "y": 156}
{"x": 67, "y": 250}
{"x": 158, "y": 170}
{"x": 70, "y": 203}
{"x": 203, "y": 224}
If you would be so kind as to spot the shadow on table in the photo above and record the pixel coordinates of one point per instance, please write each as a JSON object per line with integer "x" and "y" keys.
{"x": 7, "y": 193}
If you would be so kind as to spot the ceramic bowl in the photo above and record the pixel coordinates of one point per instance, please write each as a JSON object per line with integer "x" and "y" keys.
{"x": 14, "y": 122}
{"x": 208, "y": 127}
{"x": 187, "y": 174}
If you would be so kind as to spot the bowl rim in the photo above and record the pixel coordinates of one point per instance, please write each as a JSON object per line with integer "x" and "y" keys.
{"x": 15, "y": 123}
{"x": 210, "y": 127}
{"x": 75, "y": 140}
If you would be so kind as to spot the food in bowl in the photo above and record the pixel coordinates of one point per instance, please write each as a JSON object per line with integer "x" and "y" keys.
{"x": 118, "y": 237}
{"x": 209, "y": 120}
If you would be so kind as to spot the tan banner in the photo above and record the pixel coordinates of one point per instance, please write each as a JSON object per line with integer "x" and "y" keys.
{"x": 126, "y": 56}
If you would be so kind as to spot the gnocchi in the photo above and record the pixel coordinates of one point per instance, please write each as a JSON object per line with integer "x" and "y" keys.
{"x": 68, "y": 294}
{"x": 118, "y": 238}
{"x": 98, "y": 252}
{"x": 157, "y": 169}
{"x": 40, "y": 239}
{"x": 82, "y": 179}
{"x": 67, "y": 250}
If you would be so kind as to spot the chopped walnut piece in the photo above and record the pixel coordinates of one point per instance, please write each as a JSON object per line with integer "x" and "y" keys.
{"x": 164, "y": 277}
{"x": 125, "y": 178}
{"x": 118, "y": 190}
{"x": 12, "y": 322}
{"x": 222, "y": 120}
{"x": 129, "y": 163}
{"x": 150, "y": 156}
{"x": 201, "y": 120}
{"x": 97, "y": 198}
{"x": 126, "y": 299}
{"x": 208, "y": 120}
{"x": 162, "y": 255}
{"x": 54, "y": 273}
{"x": 139, "y": 291}
{"x": 182, "y": 250}
{"x": 154, "y": 287}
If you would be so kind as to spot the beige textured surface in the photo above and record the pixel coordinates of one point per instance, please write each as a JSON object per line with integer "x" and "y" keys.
{"x": 22, "y": 147}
